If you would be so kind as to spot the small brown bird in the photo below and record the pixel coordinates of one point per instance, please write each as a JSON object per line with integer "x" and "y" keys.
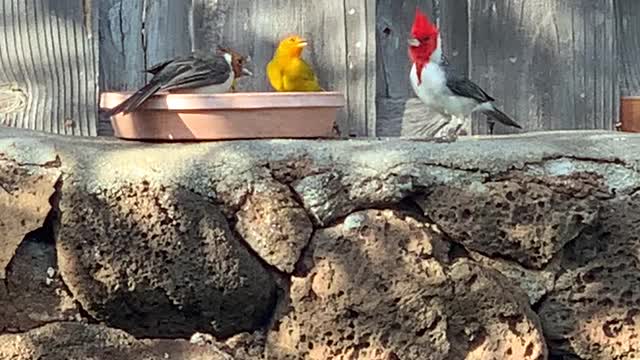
{"x": 198, "y": 72}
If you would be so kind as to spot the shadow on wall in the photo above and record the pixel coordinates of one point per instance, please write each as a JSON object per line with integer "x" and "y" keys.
{"x": 594, "y": 310}
{"x": 152, "y": 257}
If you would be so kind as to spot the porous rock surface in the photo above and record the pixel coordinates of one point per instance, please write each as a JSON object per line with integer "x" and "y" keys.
{"x": 594, "y": 309}
{"x": 381, "y": 285}
{"x": 516, "y": 247}
{"x": 70, "y": 341}
{"x": 159, "y": 261}
{"x": 25, "y": 190}
{"x": 518, "y": 216}
{"x": 33, "y": 293}
{"x": 274, "y": 225}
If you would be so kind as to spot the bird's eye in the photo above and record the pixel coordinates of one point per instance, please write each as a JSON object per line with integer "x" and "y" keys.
{"x": 292, "y": 40}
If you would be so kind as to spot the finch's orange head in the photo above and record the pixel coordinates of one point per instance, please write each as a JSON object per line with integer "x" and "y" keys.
{"x": 291, "y": 46}
{"x": 424, "y": 38}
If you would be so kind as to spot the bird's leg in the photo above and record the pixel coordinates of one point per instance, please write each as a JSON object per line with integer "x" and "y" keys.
{"x": 449, "y": 137}
{"x": 491, "y": 125}
{"x": 458, "y": 126}
{"x": 336, "y": 130}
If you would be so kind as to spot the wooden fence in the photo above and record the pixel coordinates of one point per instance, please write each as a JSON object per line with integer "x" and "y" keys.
{"x": 551, "y": 64}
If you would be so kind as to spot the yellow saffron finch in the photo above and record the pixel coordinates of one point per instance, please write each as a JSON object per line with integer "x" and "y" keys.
{"x": 287, "y": 71}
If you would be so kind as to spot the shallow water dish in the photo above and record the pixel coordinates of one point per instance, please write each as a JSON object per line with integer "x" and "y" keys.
{"x": 179, "y": 117}
{"x": 630, "y": 113}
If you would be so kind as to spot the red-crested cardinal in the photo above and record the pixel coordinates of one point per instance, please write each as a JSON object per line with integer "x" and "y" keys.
{"x": 438, "y": 86}
{"x": 198, "y": 72}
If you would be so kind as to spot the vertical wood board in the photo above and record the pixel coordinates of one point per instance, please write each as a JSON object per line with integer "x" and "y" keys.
{"x": 360, "y": 64}
{"x": 628, "y": 35}
{"x": 49, "y": 65}
{"x": 137, "y": 34}
{"x": 550, "y": 64}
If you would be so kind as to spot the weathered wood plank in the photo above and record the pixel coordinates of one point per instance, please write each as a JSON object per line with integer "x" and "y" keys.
{"x": 167, "y": 22}
{"x": 234, "y": 23}
{"x": 122, "y": 50}
{"x": 551, "y": 64}
{"x": 372, "y": 71}
{"x": 394, "y": 19}
{"x": 453, "y": 20}
{"x": 122, "y": 55}
{"x": 628, "y": 19}
{"x": 361, "y": 69}
{"x": 393, "y": 90}
{"x": 49, "y": 54}
{"x": 136, "y": 34}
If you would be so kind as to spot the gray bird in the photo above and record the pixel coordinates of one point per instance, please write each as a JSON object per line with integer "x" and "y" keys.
{"x": 198, "y": 72}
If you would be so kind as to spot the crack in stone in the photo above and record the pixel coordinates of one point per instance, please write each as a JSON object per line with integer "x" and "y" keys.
{"x": 52, "y": 223}
{"x": 47, "y": 234}
{"x": 427, "y": 164}
{"x": 299, "y": 268}
{"x": 486, "y": 175}
{"x": 279, "y": 275}
{"x": 570, "y": 158}
{"x": 51, "y": 164}
{"x": 505, "y": 175}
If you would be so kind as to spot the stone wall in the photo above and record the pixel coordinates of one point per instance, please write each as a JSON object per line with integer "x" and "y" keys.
{"x": 523, "y": 247}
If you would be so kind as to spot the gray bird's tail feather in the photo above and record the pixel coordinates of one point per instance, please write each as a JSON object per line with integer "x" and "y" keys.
{"x": 136, "y": 99}
{"x": 497, "y": 115}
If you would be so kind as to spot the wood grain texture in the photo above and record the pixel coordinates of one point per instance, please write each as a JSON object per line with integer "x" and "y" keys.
{"x": 122, "y": 55}
{"x": 372, "y": 69}
{"x": 167, "y": 22}
{"x": 550, "y": 64}
{"x": 453, "y": 20}
{"x": 135, "y": 35}
{"x": 628, "y": 20}
{"x": 360, "y": 66}
{"x": 393, "y": 90}
{"x": 236, "y": 23}
{"x": 49, "y": 58}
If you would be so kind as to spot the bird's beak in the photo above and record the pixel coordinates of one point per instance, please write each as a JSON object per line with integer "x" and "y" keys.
{"x": 246, "y": 72}
{"x": 414, "y": 42}
{"x": 303, "y": 43}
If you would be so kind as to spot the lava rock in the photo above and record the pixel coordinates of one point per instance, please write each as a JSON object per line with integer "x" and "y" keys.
{"x": 156, "y": 261}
